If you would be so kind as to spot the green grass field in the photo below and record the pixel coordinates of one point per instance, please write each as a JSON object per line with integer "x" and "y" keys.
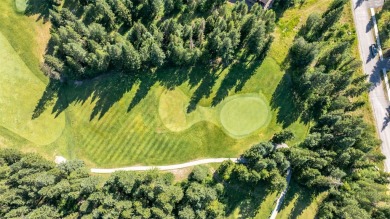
{"x": 86, "y": 123}
{"x": 300, "y": 203}
{"x": 241, "y": 115}
{"x": 238, "y": 115}
{"x": 20, "y": 91}
{"x": 90, "y": 123}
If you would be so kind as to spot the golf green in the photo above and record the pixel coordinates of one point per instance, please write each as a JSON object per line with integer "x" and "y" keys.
{"x": 21, "y": 5}
{"x": 244, "y": 114}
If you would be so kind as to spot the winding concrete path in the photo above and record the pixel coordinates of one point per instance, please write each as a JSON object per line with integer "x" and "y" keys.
{"x": 282, "y": 195}
{"x": 279, "y": 201}
{"x": 169, "y": 167}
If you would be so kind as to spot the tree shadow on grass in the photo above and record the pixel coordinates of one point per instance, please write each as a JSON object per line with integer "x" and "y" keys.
{"x": 247, "y": 200}
{"x": 108, "y": 89}
{"x": 239, "y": 74}
{"x": 203, "y": 90}
{"x": 304, "y": 199}
{"x": 39, "y": 7}
{"x": 173, "y": 77}
{"x": 48, "y": 98}
{"x": 142, "y": 91}
{"x": 285, "y": 102}
{"x": 236, "y": 78}
{"x": 104, "y": 91}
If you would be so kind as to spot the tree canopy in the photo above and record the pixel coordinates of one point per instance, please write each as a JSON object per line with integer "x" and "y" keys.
{"x": 140, "y": 36}
{"x": 33, "y": 187}
{"x": 340, "y": 153}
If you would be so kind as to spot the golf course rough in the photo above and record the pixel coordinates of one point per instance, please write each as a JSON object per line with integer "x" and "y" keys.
{"x": 238, "y": 115}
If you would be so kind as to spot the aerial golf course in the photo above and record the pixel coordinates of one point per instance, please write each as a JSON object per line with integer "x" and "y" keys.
{"x": 87, "y": 122}
{"x": 136, "y": 85}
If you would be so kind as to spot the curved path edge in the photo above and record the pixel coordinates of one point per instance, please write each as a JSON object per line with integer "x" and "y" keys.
{"x": 279, "y": 201}
{"x": 282, "y": 195}
{"x": 168, "y": 167}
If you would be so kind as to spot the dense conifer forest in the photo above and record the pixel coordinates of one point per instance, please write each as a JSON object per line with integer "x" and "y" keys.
{"x": 90, "y": 38}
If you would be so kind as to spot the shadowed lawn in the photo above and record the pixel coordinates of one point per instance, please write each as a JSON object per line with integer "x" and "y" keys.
{"x": 300, "y": 202}
{"x": 258, "y": 203}
{"x": 17, "y": 105}
{"x": 28, "y": 37}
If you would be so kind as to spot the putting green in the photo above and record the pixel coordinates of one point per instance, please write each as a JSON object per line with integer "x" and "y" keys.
{"x": 238, "y": 116}
{"x": 243, "y": 114}
{"x": 20, "y": 91}
{"x": 21, "y": 5}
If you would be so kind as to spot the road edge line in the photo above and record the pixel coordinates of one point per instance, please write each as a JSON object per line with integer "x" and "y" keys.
{"x": 378, "y": 42}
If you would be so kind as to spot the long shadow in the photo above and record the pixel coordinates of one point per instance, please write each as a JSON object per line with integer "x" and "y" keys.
{"x": 173, "y": 77}
{"x": 248, "y": 200}
{"x": 104, "y": 91}
{"x": 386, "y": 120}
{"x": 359, "y": 3}
{"x": 369, "y": 58}
{"x": 285, "y": 102}
{"x": 236, "y": 78}
{"x": 109, "y": 91}
{"x": 143, "y": 90}
{"x": 304, "y": 199}
{"x": 375, "y": 76}
{"x": 370, "y": 25}
{"x": 40, "y": 8}
{"x": 203, "y": 90}
{"x": 239, "y": 74}
{"x": 47, "y": 98}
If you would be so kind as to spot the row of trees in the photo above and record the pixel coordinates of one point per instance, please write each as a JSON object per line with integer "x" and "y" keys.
{"x": 340, "y": 153}
{"x": 94, "y": 37}
{"x": 33, "y": 187}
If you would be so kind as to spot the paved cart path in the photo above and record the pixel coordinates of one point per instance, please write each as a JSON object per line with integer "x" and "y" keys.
{"x": 169, "y": 167}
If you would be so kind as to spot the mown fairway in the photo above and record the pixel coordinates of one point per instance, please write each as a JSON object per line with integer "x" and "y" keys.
{"x": 111, "y": 122}
{"x": 17, "y": 104}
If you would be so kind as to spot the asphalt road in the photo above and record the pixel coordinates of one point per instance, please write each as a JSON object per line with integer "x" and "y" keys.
{"x": 373, "y": 67}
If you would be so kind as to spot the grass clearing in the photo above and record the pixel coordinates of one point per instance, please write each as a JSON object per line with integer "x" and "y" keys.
{"x": 300, "y": 203}
{"x": 257, "y": 204}
{"x": 238, "y": 115}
